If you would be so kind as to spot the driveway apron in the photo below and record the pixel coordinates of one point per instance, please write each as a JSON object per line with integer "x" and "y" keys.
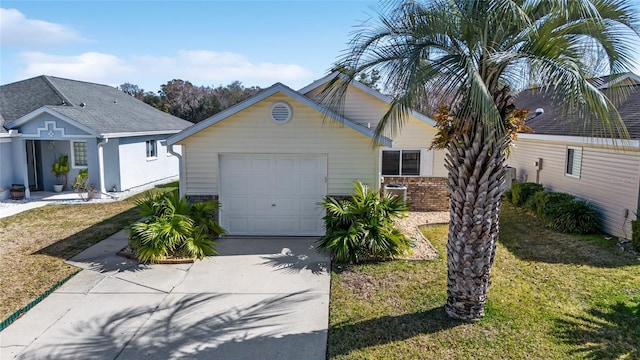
{"x": 261, "y": 298}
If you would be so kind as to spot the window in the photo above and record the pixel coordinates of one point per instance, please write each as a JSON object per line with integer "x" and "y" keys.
{"x": 400, "y": 162}
{"x": 152, "y": 149}
{"x": 574, "y": 162}
{"x": 79, "y": 154}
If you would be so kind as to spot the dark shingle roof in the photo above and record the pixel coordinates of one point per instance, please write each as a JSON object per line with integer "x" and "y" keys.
{"x": 106, "y": 109}
{"x": 554, "y": 121}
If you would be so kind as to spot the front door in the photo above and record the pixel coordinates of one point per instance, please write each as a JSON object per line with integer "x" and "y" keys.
{"x": 34, "y": 167}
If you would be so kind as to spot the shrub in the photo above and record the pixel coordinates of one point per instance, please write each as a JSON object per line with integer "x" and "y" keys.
{"x": 362, "y": 228}
{"x": 521, "y": 192}
{"x": 507, "y": 195}
{"x": 635, "y": 234}
{"x": 543, "y": 201}
{"x": 577, "y": 217}
{"x": 173, "y": 226}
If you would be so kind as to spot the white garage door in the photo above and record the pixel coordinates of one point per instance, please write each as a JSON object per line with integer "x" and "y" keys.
{"x": 272, "y": 194}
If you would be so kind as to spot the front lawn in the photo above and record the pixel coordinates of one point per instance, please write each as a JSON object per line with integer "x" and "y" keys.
{"x": 554, "y": 296}
{"x": 35, "y": 244}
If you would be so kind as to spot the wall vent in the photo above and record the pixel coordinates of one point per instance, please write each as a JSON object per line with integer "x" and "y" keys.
{"x": 281, "y": 112}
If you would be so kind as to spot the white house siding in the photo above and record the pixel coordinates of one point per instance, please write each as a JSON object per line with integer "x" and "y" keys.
{"x": 7, "y": 175}
{"x": 350, "y": 155}
{"x": 609, "y": 179}
{"x": 111, "y": 158}
{"x": 136, "y": 170}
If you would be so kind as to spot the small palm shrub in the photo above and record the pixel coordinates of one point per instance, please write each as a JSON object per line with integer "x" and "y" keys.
{"x": 576, "y": 217}
{"x": 635, "y": 234}
{"x": 362, "y": 228}
{"x": 173, "y": 226}
{"x": 545, "y": 200}
{"x": 521, "y": 192}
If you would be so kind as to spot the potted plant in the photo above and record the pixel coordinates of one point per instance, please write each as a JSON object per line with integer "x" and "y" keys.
{"x": 60, "y": 169}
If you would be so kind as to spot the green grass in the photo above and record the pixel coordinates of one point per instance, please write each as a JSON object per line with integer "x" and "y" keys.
{"x": 553, "y": 296}
{"x": 35, "y": 244}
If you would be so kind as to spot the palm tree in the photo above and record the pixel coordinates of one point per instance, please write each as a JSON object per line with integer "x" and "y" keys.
{"x": 475, "y": 53}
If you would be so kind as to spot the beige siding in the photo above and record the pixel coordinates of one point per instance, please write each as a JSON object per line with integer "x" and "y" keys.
{"x": 351, "y": 155}
{"x": 609, "y": 179}
{"x": 359, "y": 106}
{"x": 417, "y": 135}
{"x": 368, "y": 110}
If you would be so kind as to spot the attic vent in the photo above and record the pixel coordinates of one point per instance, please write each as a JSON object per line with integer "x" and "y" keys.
{"x": 281, "y": 112}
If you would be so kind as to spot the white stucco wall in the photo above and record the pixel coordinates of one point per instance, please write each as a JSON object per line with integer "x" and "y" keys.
{"x": 136, "y": 169}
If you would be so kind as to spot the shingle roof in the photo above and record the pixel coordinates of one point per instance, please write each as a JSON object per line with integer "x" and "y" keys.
{"x": 106, "y": 109}
{"x": 555, "y": 122}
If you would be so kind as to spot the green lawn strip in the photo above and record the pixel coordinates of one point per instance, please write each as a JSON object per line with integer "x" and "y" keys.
{"x": 553, "y": 296}
{"x": 35, "y": 244}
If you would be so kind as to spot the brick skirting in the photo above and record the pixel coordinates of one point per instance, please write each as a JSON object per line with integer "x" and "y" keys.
{"x": 423, "y": 193}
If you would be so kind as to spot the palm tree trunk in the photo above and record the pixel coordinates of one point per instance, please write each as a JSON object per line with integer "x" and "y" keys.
{"x": 476, "y": 165}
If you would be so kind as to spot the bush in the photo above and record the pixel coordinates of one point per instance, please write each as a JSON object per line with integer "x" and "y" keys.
{"x": 521, "y": 192}
{"x": 576, "y": 217}
{"x": 362, "y": 228}
{"x": 635, "y": 234}
{"x": 507, "y": 196}
{"x": 173, "y": 226}
{"x": 543, "y": 201}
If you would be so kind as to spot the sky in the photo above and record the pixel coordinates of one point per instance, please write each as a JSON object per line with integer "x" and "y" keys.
{"x": 148, "y": 43}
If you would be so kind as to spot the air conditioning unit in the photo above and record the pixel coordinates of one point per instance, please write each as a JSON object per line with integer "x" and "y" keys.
{"x": 509, "y": 177}
{"x": 396, "y": 190}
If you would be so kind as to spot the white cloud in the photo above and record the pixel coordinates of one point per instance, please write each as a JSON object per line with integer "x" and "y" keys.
{"x": 201, "y": 67}
{"x": 17, "y": 29}
{"x": 91, "y": 66}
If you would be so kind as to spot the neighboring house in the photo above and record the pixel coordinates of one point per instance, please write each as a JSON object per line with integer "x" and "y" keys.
{"x": 271, "y": 159}
{"x": 111, "y": 134}
{"x": 569, "y": 154}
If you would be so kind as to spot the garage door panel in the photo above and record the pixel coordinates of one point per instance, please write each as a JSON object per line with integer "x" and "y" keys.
{"x": 286, "y": 184}
{"x": 272, "y": 194}
{"x": 236, "y": 206}
{"x": 237, "y": 185}
{"x": 261, "y": 184}
{"x": 309, "y": 226}
{"x": 235, "y": 224}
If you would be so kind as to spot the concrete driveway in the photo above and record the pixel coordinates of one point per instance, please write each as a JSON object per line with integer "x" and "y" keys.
{"x": 262, "y": 298}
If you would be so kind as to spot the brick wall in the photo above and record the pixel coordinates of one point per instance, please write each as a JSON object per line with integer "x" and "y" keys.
{"x": 423, "y": 193}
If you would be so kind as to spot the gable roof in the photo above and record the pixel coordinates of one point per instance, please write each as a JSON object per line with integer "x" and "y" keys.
{"x": 274, "y": 89}
{"x": 556, "y": 122}
{"x": 102, "y": 108}
{"x": 360, "y": 86}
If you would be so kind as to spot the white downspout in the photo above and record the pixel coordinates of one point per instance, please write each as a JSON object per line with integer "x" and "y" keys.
{"x": 101, "y": 144}
{"x": 181, "y": 180}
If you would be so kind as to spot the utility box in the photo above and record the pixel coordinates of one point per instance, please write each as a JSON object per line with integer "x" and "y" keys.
{"x": 396, "y": 190}
{"x": 509, "y": 177}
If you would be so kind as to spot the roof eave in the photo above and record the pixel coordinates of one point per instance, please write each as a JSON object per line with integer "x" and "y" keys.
{"x": 272, "y": 90}
{"x": 46, "y": 110}
{"x": 587, "y": 140}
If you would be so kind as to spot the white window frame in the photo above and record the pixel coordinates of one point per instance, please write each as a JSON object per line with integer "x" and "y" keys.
{"x": 73, "y": 154}
{"x": 576, "y": 162}
{"x": 421, "y": 165}
{"x": 155, "y": 149}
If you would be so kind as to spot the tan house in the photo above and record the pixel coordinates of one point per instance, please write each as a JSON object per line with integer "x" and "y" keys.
{"x": 567, "y": 154}
{"x": 270, "y": 159}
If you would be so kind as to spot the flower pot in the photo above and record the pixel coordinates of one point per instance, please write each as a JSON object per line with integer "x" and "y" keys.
{"x": 58, "y": 188}
{"x": 17, "y": 192}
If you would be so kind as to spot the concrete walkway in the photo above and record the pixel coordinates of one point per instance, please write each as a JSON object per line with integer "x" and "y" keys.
{"x": 262, "y": 298}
